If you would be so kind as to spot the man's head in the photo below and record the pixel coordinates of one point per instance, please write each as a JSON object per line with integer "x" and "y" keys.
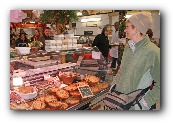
{"x": 116, "y": 25}
{"x": 107, "y": 30}
{"x": 47, "y": 31}
{"x": 22, "y": 36}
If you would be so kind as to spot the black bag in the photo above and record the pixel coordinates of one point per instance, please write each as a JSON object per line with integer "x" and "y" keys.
{"x": 115, "y": 100}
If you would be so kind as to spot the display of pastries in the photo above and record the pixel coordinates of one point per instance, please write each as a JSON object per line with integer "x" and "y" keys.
{"x": 63, "y": 106}
{"x": 55, "y": 105}
{"x": 71, "y": 87}
{"x": 44, "y": 86}
{"x": 47, "y": 109}
{"x": 82, "y": 83}
{"x": 26, "y": 90}
{"x": 21, "y": 106}
{"x": 102, "y": 86}
{"x": 41, "y": 98}
{"x": 75, "y": 94}
{"x": 38, "y": 105}
{"x": 62, "y": 94}
{"x": 72, "y": 100}
{"x": 50, "y": 98}
{"x": 91, "y": 79}
{"x": 53, "y": 90}
{"x": 94, "y": 89}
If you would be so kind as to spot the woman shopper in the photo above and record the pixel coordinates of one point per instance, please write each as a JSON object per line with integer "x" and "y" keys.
{"x": 140, "y": 62}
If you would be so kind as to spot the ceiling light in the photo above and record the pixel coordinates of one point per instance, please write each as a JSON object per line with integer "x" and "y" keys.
{"x": 128, "y": 16}
{"x": 90, "y": 19}
{"x": 94, "y": 19}
{"x": 84, "y": 20}
{"x": 79, "y": 13}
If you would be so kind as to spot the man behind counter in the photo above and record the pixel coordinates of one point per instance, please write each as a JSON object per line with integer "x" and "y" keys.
{"x": 22, "y": 41}
{"x": 45, "y": 37}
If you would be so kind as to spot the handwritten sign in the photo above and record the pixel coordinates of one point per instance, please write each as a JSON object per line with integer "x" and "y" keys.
{"x": 85, "y": 91}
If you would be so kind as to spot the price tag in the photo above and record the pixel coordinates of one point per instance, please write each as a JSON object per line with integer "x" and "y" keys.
{"x": 46, "y": 77}
{"x": 85, "y": 91}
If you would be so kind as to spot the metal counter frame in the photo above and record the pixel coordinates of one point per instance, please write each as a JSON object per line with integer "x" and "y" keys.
{"x": 88, "y": 101}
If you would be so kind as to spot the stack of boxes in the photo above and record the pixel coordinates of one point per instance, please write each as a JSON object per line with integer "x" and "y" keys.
{"x": 62, "y": 42}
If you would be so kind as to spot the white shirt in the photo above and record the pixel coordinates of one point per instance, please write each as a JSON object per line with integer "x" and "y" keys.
{"x": 114, "y": 50}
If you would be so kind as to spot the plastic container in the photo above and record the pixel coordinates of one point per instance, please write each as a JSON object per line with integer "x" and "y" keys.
{"x": 28, "y": 96}
{"x": 23, "y": 50}
{"x": 63, "y": 58}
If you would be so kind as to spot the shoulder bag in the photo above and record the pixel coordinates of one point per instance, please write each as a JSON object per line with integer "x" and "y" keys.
{"x": 115, "y": 100}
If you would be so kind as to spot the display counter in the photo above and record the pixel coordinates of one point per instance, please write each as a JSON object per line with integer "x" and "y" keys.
{"x": 67, "y": 86}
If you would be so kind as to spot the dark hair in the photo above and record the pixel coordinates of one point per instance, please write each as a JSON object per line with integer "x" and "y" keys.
{"x": 105, "y": 28}
{"x": 47, "y": 28}
{"x": 21, "y": 30}
{"x": 116, "y": 23}
{"x": 150, "y": 33}
{"x": 37, "y": 30}
{"x": 22, "y": 33}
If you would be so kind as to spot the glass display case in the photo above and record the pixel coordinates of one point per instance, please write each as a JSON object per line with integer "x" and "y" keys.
{"x": 60, "y": 82}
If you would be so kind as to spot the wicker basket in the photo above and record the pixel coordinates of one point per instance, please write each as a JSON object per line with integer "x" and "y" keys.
{"x": 67, "y": 80}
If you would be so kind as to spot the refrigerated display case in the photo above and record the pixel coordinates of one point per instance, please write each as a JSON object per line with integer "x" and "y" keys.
{"x": 85, "y": 68}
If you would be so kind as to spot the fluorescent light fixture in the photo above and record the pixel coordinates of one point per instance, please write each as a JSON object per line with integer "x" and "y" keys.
{"x": 94, "y": 19}
{"x": 128, "y": 16}
{"x": 79, "y": 13}
{"x": 84, "y": 20}
{"x": 32, "y": 22}
{"x": 90, "y": 19}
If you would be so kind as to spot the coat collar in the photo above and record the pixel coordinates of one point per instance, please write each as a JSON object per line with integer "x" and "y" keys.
{"x": 141, "y": 44}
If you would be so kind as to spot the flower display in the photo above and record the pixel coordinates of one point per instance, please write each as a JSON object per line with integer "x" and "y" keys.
{"x": 36, "y": 43}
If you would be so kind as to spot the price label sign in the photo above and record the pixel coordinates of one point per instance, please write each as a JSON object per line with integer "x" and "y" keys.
{"x": 85, "y": 91}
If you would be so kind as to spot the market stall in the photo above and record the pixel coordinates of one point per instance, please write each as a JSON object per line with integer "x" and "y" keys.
{"x": 38, "y": 84}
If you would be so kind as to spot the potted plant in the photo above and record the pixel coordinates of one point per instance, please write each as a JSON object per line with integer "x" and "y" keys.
{"x": 59, "y": 17}
{"x": 35, "y": 45}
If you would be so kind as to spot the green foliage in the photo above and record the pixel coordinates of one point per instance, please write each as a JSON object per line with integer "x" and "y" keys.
{"x": 120, "y": 54}
{"x": 122, "y": 34}
{"x": 13, "y": 54}
{"x": 122, "y": 27}
{"x": 38, "y": 44}
{"x": 58, "y": 16}
{"x": 122, "y": 23}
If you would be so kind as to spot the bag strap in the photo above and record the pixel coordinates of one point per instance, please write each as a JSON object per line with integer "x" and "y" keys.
{"x": 141, "y": 95}
{"x": 113, "y": 88}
